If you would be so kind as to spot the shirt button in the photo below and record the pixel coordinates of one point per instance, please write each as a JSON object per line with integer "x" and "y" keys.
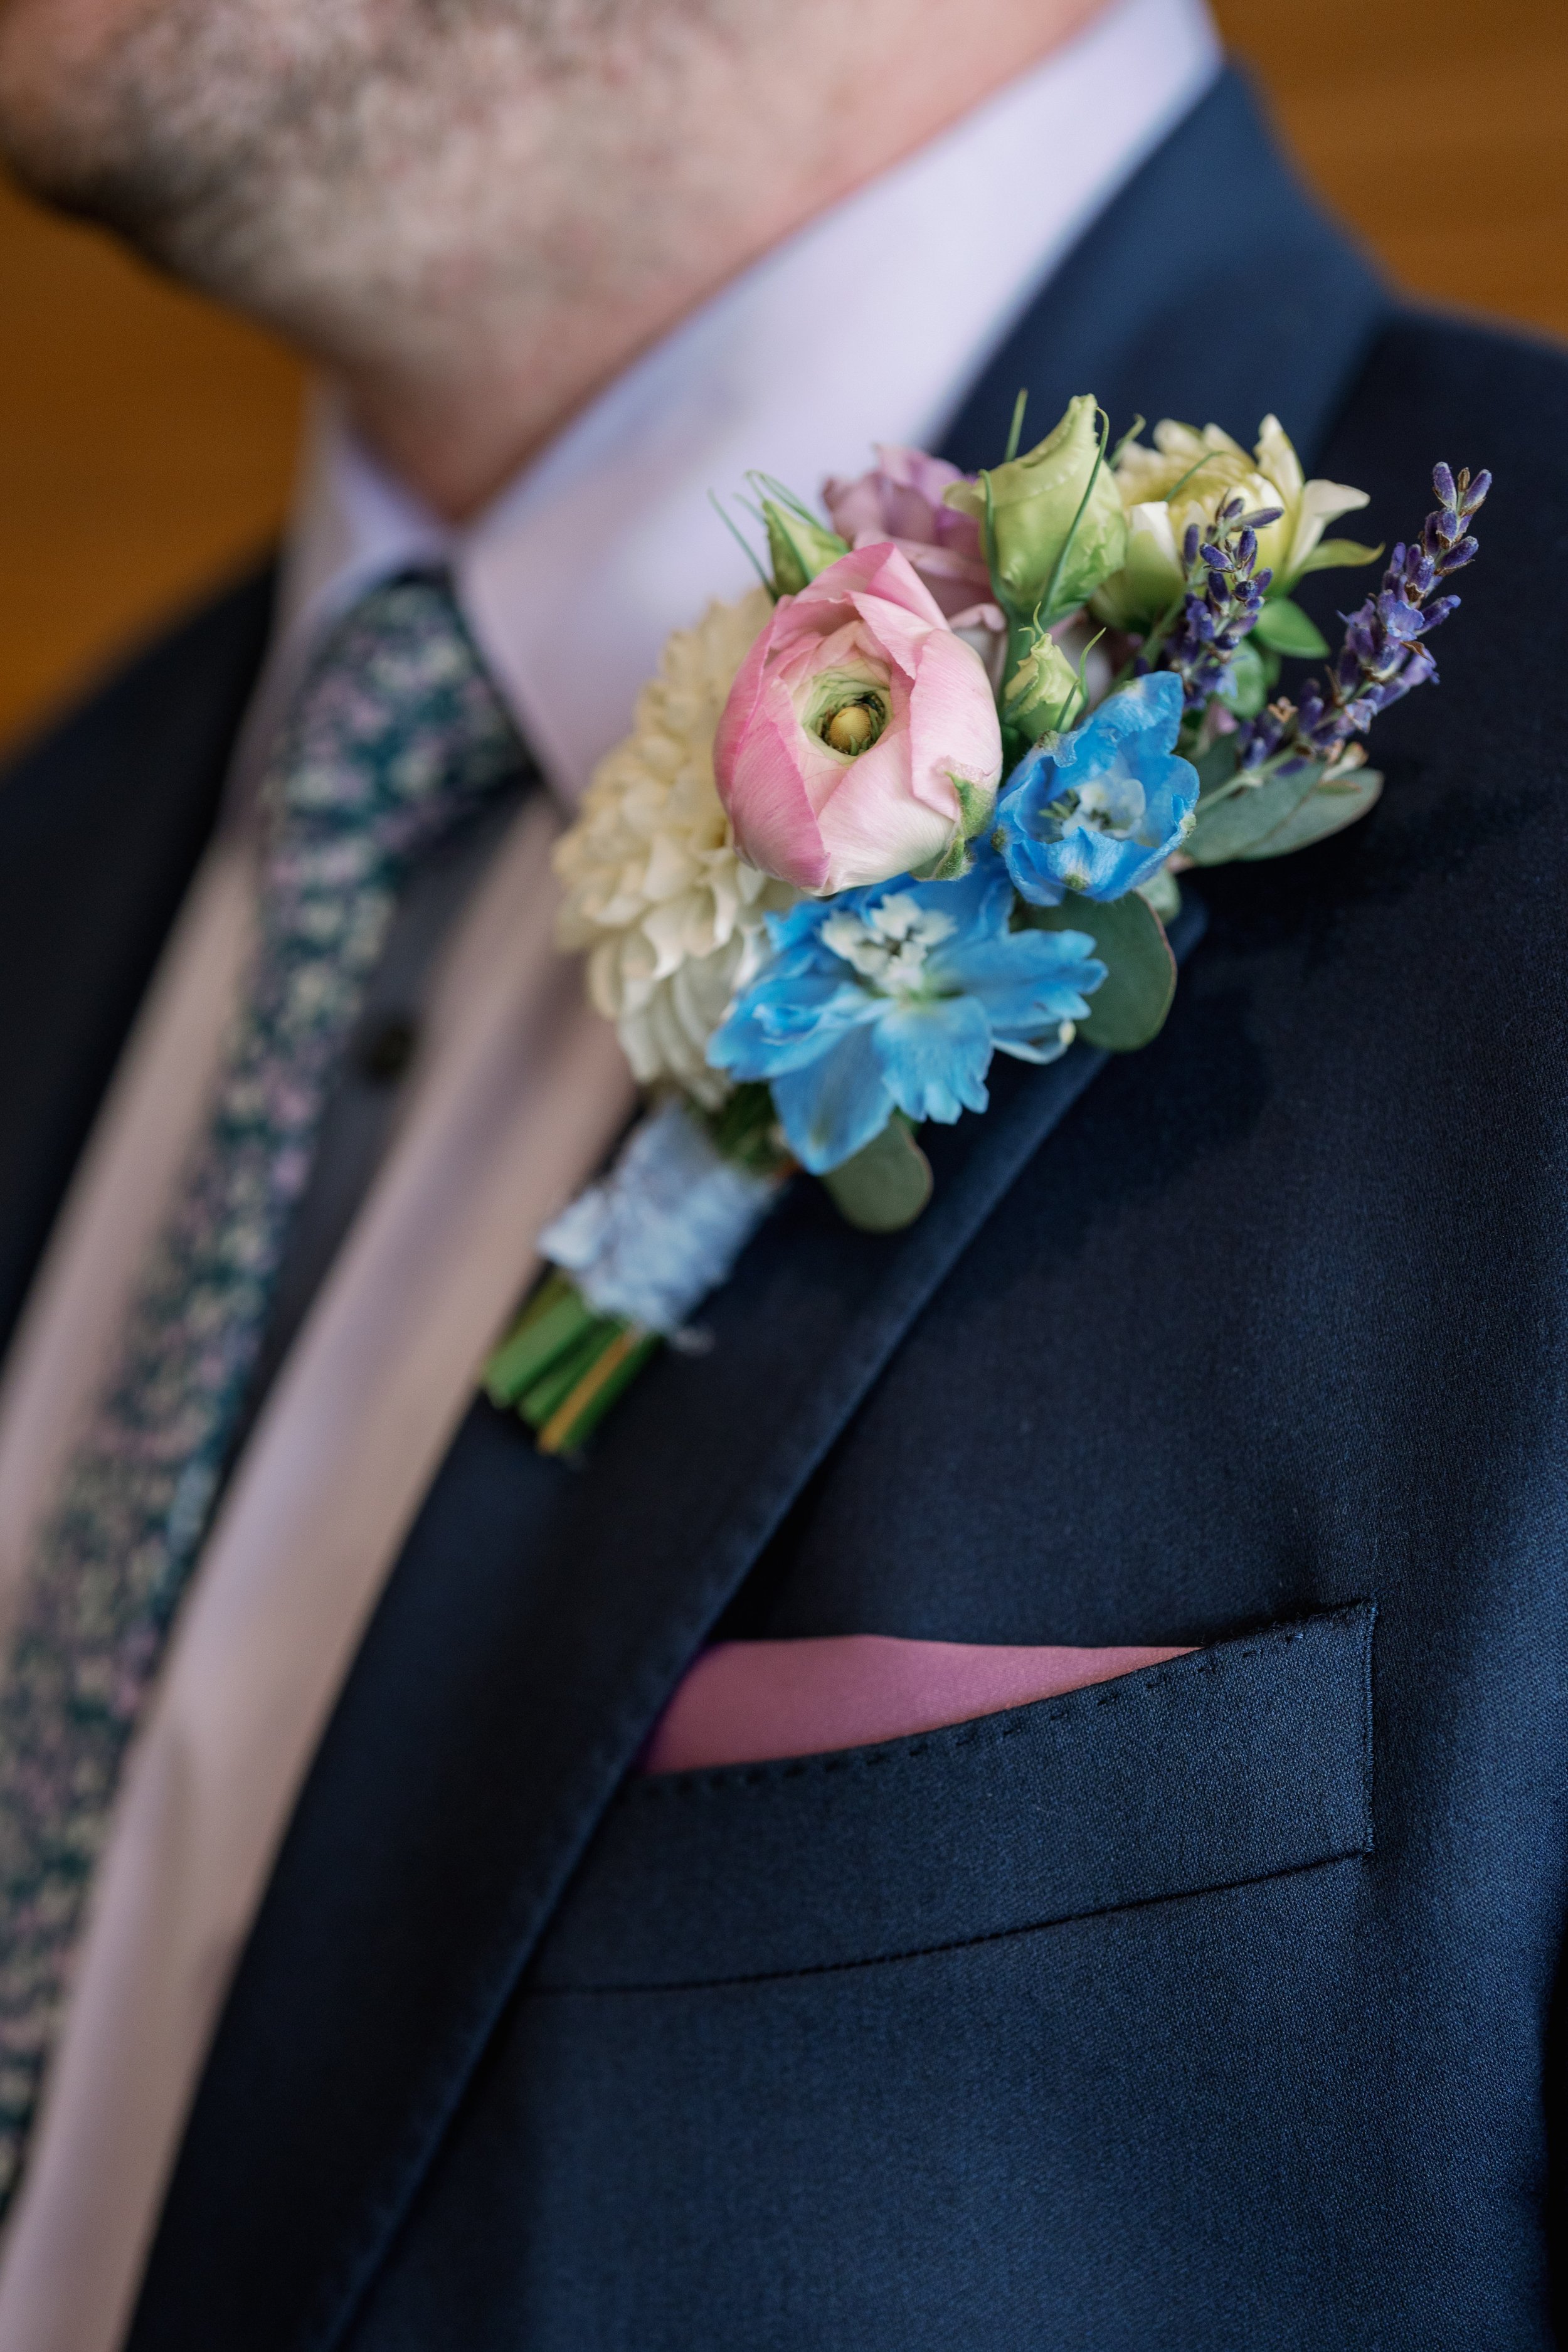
{"x": 386, "y": 1048}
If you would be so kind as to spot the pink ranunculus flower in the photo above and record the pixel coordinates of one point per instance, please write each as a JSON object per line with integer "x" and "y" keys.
{"x": 861, "y": 739}
{"x": 901, "y": 500}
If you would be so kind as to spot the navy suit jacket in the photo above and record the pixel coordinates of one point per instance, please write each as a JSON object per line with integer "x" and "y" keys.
{"x": 1208, "y": 2009}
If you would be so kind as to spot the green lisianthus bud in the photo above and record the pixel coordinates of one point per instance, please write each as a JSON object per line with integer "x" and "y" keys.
{"x": 799, "y": 548}
{"x": 1053, "y": 519}
{"x": 1043, "y": 694}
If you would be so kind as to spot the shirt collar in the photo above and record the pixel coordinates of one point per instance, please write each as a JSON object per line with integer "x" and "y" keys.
{"x": 572, "y": 577}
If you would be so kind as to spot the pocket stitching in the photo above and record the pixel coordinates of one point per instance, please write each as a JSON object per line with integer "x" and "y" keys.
{"x": 609, "y": 1992}
{"x": 1010, "y": 1723}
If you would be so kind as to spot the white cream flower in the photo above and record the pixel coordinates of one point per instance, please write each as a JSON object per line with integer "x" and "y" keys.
{"x": 670, "y": 914}
{"x": 1184, "y": 479}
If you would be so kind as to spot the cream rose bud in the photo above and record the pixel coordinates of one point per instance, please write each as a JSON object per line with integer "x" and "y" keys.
{"x": 1152, "y": 576}
{"x": 861, "y": 739}
{"x": 1185, "y": 479}
{"x": 1291, "y": 546}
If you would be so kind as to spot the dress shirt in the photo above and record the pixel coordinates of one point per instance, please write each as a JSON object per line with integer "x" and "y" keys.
{"x": 570, "y": 580}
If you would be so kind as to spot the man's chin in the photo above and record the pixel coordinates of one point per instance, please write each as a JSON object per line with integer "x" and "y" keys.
{"x": 83, "y": 126}
{"x": 51, "y": 118}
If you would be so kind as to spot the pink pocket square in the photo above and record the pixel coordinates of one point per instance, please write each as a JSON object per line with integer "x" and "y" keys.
{"x": 749, "y": 1702}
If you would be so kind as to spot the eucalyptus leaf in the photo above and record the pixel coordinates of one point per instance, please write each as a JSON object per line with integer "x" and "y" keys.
{"x": 1216, "y": 766}
{"x": 1326, "y": 810}
{"x": 1237, "y": 825}
{"x": 1164, "y": 893}
{"x": 1130, "y": 1005}
{"x": 1286, "y": 629}
{"x": 886, "y": 1185}
{"x": 1330, "y": 554}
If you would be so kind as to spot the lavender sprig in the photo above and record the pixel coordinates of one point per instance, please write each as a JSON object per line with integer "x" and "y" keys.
{"x": 1224, "y": 598}
{"x": 1382, "y": 658}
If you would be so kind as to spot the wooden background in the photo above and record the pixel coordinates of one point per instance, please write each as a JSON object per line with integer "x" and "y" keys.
{"x": 146, "y": 440}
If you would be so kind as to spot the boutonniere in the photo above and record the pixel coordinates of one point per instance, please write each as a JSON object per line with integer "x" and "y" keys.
{"x": 925, "y": 796}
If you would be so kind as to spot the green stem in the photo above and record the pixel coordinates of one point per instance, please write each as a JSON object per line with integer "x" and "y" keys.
{"x": 742, "y": 541}
{"x": 580, "y": 1412}
{"x": 573, "y": 1364}
{"x": 554, "y": 1318}
{"x": 1050, "y": 596}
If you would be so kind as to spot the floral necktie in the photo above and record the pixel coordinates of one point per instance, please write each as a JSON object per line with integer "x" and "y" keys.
{"x": 396, "y": 734}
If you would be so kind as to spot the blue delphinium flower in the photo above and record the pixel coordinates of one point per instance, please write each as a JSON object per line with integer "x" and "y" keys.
{"x": 1101, "y": 812}
{"x": 895, "y": 997}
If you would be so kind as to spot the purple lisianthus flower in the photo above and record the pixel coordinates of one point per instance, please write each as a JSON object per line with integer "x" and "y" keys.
{"x": 894, "y": 998}
{"x": 1101, "y": 812}
{"x": 902, "y": 499}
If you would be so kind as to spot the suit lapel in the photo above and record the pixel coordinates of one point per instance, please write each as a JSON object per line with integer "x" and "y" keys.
{"x": 1177, "y": 303}
{"x": 540, "y": 1615}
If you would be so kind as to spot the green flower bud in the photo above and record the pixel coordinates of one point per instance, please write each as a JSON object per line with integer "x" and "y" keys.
{"x": 1053, "y": 523}
{"x": 1043, "y": 695}
{"x": 799, "y": 548}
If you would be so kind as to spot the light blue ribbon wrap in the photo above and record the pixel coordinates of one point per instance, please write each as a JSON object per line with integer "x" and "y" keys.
{"x": 663, "y": 1229}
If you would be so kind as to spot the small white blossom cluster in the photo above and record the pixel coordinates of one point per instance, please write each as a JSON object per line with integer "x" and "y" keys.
{"x": 890, "y": 943}
{"x": 671, "y": 917}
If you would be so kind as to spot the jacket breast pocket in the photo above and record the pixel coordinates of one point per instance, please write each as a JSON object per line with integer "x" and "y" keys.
{"x": 1242, "y": 1761}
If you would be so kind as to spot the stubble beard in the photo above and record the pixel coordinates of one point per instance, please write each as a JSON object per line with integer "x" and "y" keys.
{"x": 362, "y": 174}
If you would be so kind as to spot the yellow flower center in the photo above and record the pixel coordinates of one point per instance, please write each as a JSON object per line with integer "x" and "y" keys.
{"x": 852, "y": 728}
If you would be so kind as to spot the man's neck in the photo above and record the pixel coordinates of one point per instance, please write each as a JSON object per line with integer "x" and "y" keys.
{"x": 613, "y": 521}
{"x": 760, "y": 148}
